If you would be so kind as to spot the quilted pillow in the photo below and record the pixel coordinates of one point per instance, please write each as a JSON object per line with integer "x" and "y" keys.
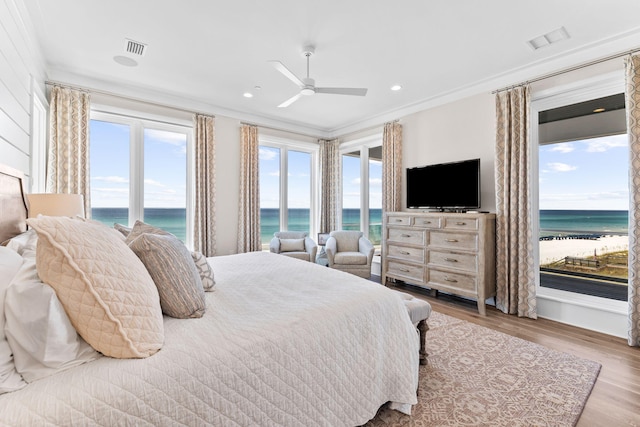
{"x": 105, "y": 289}
{"x": 291, "y": 245}
{"x": 123, "y": 229}
{"x": 204, "y": 270}
{"x": 172, "y": 269}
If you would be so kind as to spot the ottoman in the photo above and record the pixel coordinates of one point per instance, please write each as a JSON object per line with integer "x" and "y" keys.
{"x": 419, "y": 311}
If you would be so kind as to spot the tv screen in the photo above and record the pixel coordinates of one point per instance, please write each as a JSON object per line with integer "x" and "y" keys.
{"x": 454, "y": 185}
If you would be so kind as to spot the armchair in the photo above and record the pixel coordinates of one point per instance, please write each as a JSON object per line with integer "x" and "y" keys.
{"x": 295, "y": 244}
{"x": 350, "y": 251}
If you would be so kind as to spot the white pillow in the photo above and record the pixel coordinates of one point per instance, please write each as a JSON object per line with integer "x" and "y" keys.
{"x": 38, "y": 330}
{"x": 10, "y": 380}
{"x": 24, "y": 241}
{"x": 291, "y": 245}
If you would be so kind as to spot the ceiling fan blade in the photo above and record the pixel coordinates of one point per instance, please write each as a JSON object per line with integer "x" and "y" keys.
{"x": 342, "y": 90}
{"x": 290, "y": 101}
{"x": 287, "y": 73}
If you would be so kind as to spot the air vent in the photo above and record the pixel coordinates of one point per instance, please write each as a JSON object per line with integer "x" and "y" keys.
{"x": 551, "y": 37}
{"x": 134, "y": 47}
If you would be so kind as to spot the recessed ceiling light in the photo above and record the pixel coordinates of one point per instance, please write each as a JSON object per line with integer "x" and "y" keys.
{"x": 598, "y": 110}
{"x": 247, "y": 95}
{"x": 549, "y": 38}
{"x": 125, "y": 60}
{"x": 396, "y": 87}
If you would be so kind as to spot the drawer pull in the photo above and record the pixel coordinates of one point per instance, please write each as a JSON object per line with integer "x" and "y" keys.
{"x": 461, "y": 223}
{"x": 450, "y": 280}
{"x": 405, "y": 253}
{"x": 451, "y": 240}
{"x": 404, "y": 270}
{"x": 398, "y": 220}
{"x": 451, "y": 259}
{"x": 406, "y": 235}
{"x": 426, "y": 222}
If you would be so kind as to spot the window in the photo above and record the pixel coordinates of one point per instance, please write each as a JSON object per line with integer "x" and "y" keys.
{"x": 583, "y": 198}
{"x": 287, "y": 182}
{"x": 139, "y": 170}
{"x": 362, "y": 187}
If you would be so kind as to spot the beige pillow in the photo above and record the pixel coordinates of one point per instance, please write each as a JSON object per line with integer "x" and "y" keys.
{"x": 172, "y": 269}
{"x": 140, "y": 228}
{"x": 105, "y": 289}
{"x": 291, "y": 245}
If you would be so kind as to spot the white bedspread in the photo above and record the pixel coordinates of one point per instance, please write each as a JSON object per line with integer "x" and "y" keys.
{"x": 283, "y": 343}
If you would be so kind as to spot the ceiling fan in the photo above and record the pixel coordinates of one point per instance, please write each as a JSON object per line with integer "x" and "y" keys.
{"x": 307, "y": 85}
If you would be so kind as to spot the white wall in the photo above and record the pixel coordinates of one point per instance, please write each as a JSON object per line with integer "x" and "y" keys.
{"x": 21, "y": 78}
{"x": 460, "y": 130}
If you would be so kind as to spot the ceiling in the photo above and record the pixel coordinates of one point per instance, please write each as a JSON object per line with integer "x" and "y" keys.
{"x": 205, "y": 54}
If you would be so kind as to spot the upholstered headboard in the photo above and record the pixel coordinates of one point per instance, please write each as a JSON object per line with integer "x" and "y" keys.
{"x": 13, "y": 203}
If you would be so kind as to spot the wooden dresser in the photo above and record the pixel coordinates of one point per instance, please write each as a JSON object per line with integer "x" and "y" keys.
{"x": 449, "y": 252}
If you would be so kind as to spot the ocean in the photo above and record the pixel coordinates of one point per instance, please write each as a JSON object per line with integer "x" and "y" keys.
{"x": 555, "y": 222}
{"x": 552, "y": 222}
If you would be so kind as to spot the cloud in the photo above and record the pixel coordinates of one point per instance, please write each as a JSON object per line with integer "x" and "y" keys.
{"x": 116, "y": 179}
{"x": 601, "y": 145}
{"x": 172, "y": 138}
{"x": 375, "y": 181}
{"x": 106, "y": 190}
{"x": 583, "y": 197}
{"x": 153, "y": 183}
{"x": 560, "y": 167}
{"x": 266, "y": 154}
{"x": 565, "y": 147}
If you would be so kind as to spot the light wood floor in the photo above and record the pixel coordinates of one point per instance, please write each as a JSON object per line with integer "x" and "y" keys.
{"x": 615, "y": 399}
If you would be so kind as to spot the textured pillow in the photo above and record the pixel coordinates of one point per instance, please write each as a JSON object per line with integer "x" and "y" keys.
{"x": 38, "y": 330}
{"x": 291, "y": 245}
{"x": 123, "y": 229}
{"x": 10, "y": 264}
{"x": 140, "y": 228}
{"x": 105, "y": 289}
{"x": 173, "y": 271}
{"x": 204, "y": 270}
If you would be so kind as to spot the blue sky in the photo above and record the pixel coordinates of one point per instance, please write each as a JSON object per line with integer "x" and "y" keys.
{"x": 589, "y": 174}
{"x": 164, "y": 167}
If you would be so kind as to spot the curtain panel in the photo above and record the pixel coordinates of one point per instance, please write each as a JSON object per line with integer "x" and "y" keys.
{"x": 329, "y": 185}
{"x": 632, "y": 102}
{"x": 249, "y": 210}
{"x": 392, "y": 167}
{"x": 515, "y": 279}
{"x": 68, "y": 164}
{"x": 204, "y": 227}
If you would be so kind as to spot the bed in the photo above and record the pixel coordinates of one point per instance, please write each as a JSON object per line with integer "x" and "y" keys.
{"x": 282, "y": 342}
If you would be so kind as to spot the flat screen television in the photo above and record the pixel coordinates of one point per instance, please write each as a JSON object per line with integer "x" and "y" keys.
{"x": 445, "y": 186}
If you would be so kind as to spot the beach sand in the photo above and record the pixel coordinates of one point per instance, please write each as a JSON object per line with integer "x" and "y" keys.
{"x": 554, "y": 250}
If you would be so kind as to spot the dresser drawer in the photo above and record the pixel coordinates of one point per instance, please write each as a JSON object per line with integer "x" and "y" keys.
{"x": 429, "y": 222}
{"x": 408, "y": 272}
{"x": 399, "y": 220}
{"x": 468, "y": 241}
{"x": 452, "y": 280}
{"x": 460, "y": 224}
{"x": 467, "y": 262}
{"x": 402, "y": 235}
{"x": 406, "y": 253}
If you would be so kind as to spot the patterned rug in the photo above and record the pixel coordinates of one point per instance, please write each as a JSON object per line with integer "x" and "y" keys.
{"x": 480, "y": 377}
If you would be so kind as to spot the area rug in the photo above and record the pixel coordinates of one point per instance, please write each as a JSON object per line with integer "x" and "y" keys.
{"x": 480, "y": 377}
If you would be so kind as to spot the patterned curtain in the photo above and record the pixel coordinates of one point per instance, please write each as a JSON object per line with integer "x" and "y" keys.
{"x": 632, "y": 102}
{"x": 392, "y": 167}
{"x": 249, "y": 210}
{"x": 68, "y": 168}
{"x": 204, "y": 227}
{"x": 329, "y": 185}
{"x": 515, "y": 280}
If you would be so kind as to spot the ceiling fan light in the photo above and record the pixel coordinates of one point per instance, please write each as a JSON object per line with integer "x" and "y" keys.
{"x": 307, "y": 91}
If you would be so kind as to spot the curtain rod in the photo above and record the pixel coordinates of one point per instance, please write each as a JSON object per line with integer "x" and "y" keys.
{"x": 104, "y": 92}
{"x": 568, "y": 70}
{"x": 280, "y": 130}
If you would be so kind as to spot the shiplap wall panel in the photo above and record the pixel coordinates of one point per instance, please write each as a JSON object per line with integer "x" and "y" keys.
{"x": 16, "y": 48}
{"x": 17, "y": 66}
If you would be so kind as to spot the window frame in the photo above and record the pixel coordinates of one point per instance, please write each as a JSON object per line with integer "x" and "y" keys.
{"x": 285, "y": 145}
{"x": 363, "y": 145}
{"x": 593, "y": 88}
{"x": 138, "y": 122}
